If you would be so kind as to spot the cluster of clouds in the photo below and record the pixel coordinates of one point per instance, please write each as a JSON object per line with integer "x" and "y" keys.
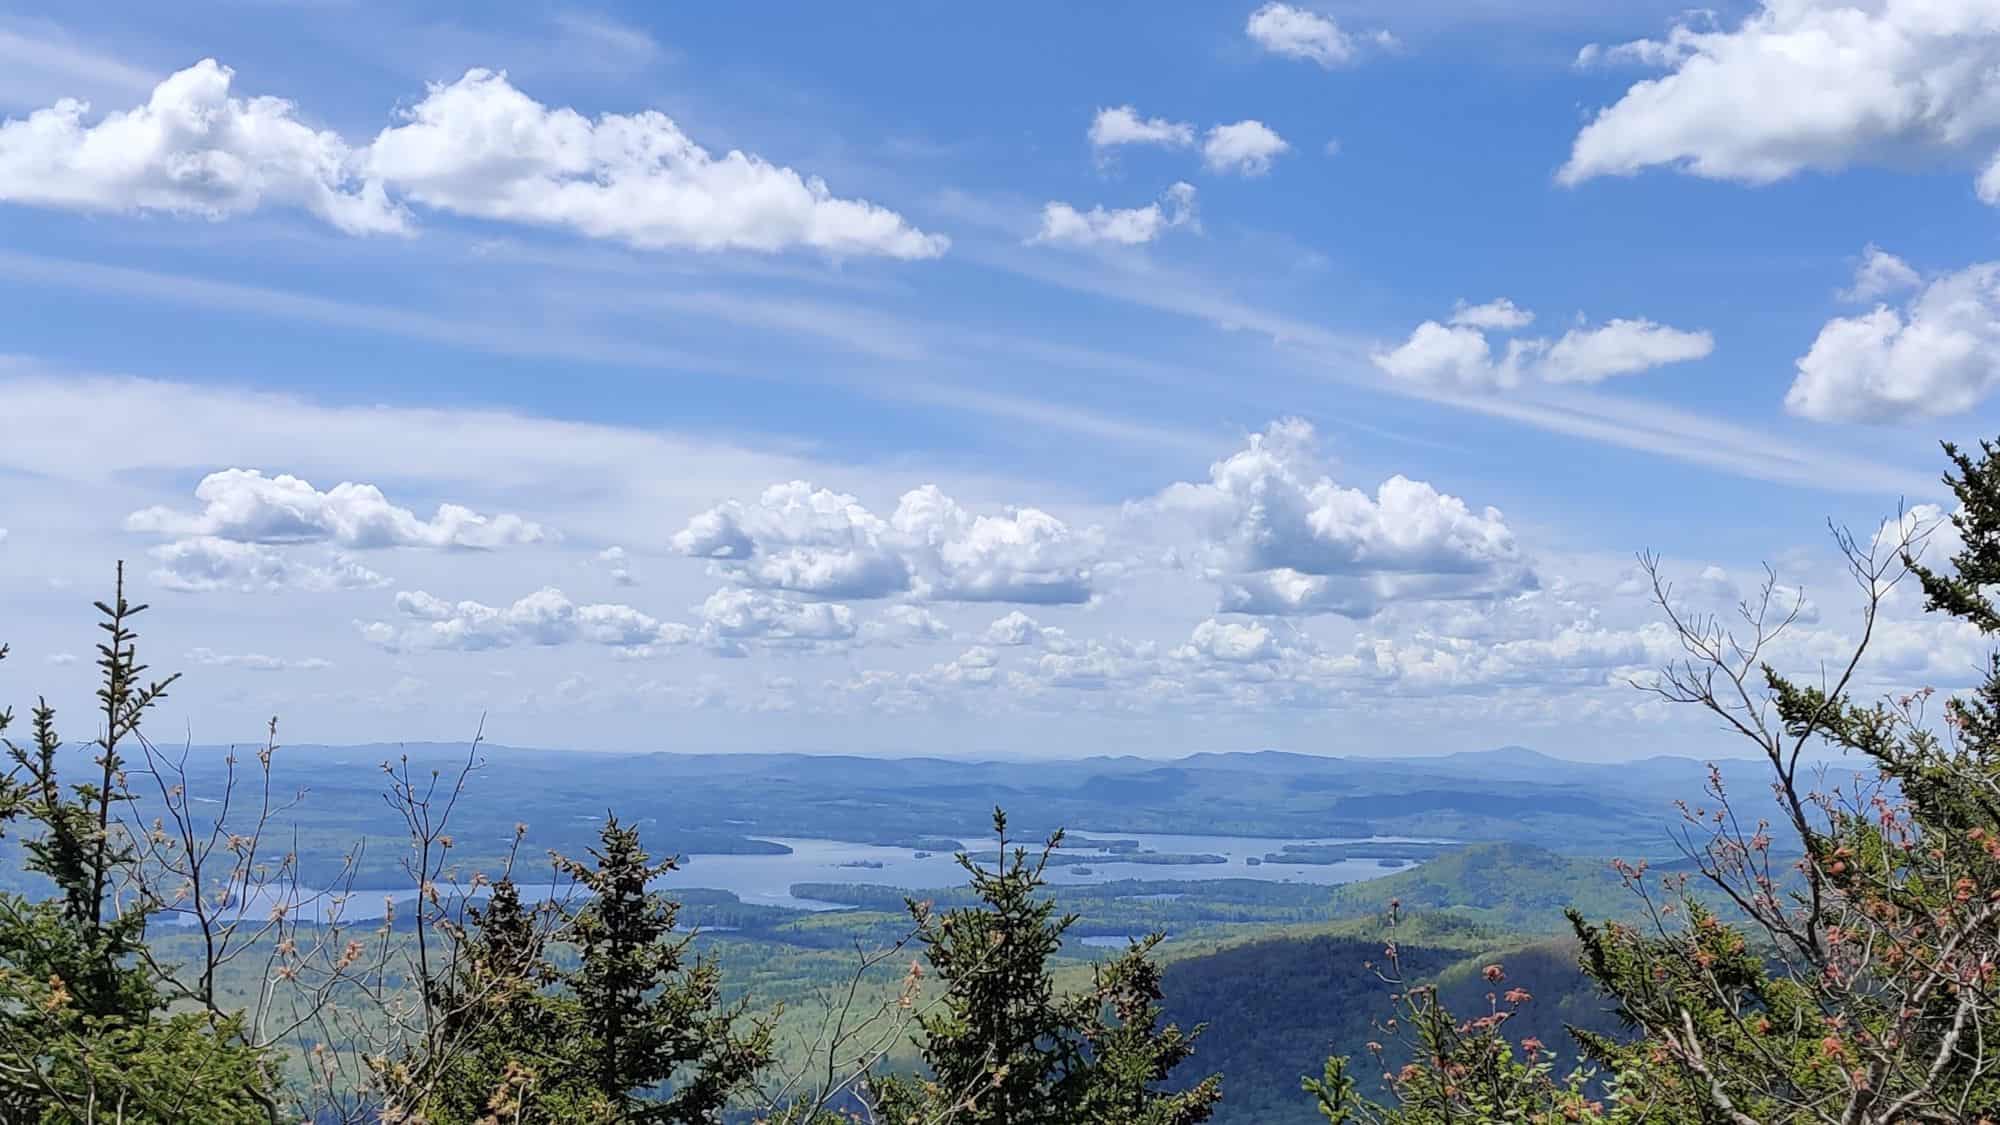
{"x": 246, "y": 506}
{"x": 1270, "y": 531}
{"x": 1797, "y": 86}
{"x": 1326, "y": 595}
{"x": 807, "y": 540}
{"x": 1459, "y": 354}
{"x": 210, "y": 562}
{"x": 1536, "y": 647}
{"x": 728, "y": 623}
{"x": 1787, "y": 87}
{"x": 1279, "y": 536}
{"x": 245, "y": 531}
{"x": 1927, "y": 346}
{"x": 1246, "y": 148}
{"x": 476, "y": 147}
{"x": 1791, "y": 86}
{"x": 1562, "y": 649}
{"x": 545, "y": 617}
{"x": 1243, "y": 148}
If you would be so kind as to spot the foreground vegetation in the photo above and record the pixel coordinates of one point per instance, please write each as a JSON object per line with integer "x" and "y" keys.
{"x": 175, "y": 958}
{"x": 1858, "y": 985}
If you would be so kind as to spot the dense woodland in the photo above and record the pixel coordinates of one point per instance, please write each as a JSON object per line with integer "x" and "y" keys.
{"x": 173, "y": 953}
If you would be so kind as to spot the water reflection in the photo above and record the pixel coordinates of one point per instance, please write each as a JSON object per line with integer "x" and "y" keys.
{"x": 767, "y": 880}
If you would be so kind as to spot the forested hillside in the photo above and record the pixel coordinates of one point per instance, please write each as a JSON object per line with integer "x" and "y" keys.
{"x": 1277, "y": 1007}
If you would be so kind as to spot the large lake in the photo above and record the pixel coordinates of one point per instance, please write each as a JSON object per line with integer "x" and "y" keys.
{"x": 768, "y": 879}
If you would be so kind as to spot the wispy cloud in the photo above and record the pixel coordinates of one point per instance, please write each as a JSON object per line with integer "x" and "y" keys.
{"x": 491, "y": 337}
{"x": 38, "y": 64}
{"x": 1630, "y": 423}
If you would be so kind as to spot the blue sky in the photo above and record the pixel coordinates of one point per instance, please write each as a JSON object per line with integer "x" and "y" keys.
{"x": 1116, "y": 319}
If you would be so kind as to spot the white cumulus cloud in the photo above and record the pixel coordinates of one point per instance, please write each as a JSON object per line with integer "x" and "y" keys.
{"x": 1122, "y": 125}
{"x": 1230, "y": 642}
{"x": 1937, "y": 354}
{"x": 1016, "y": 628}
{"x": 192, "y": 149}
{"x": 1125, "y": 227}
{"x": 480, "y": 147}
{"x": 477, "y": 146}
{"x": 732, "y": 616}
{"x": 1461, "y": 355}
{"x": 1619, "y": 347}
{"x": 246, "y": 506}
{"x": 800, "y": 538}
{"x": 826, "y": 544}
{"x": 206, "y": 562}
{"x": 1098, "y": 666}
{"x": 1802, "y": 85}
{"x": 1245, "y": 148}
{"x": 1280, "y": 536}
{"x": 1576, "y": 654}
{"x": 1296, "y": 33}
{"x": 545, "y": 617}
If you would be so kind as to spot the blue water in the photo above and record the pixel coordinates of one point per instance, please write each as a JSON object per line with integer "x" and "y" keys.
{"x": 768, "y": 879}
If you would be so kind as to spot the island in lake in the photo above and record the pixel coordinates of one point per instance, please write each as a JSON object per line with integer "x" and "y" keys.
{"x": 1059, "y": 859}
{"x": 1327, "y": 854}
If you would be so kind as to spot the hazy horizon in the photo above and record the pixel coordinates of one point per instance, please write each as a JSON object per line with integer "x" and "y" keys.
{"x": 446, "y": 747}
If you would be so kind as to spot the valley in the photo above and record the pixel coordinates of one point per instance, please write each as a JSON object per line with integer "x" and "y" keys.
{"x": 1269, "y": 938}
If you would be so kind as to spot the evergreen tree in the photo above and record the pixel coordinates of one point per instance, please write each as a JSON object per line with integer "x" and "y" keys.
{"x": 495, "y": 1023}
{"x": 1005, "y": 1048}
{"x": 1132, "y": 1055}
{"x": 635, "y": 1032}
{"x": 85, "y": 1034}
{"x": 646, "y": 1013}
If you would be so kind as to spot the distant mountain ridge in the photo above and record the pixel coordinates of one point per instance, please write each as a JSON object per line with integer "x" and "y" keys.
{"x": 1507, "y": 757}
{"x": 705, "y": 803}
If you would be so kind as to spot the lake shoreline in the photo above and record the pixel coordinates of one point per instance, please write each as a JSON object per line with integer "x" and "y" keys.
{"x": 768, "y": 878}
